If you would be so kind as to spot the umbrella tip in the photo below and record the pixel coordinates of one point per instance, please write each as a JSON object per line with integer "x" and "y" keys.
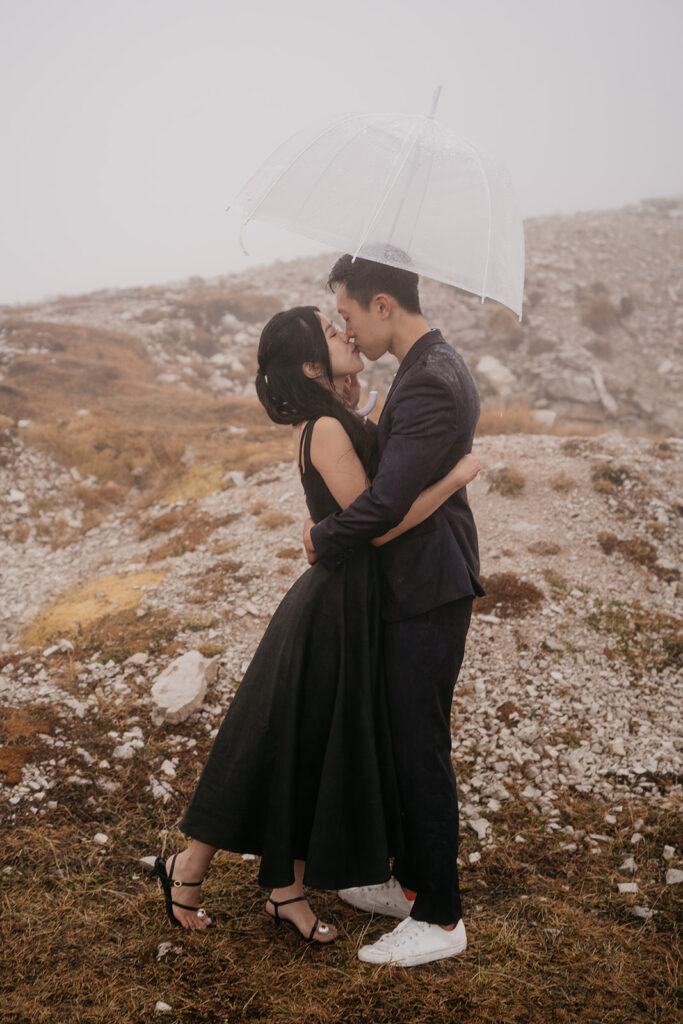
{"x": 435, "y": 101}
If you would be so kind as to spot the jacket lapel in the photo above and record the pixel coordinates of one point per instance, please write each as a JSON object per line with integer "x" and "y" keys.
{"x": 420, "y": 346}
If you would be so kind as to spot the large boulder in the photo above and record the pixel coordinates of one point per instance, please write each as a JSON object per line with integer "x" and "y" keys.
{"x": 180, "y": 689}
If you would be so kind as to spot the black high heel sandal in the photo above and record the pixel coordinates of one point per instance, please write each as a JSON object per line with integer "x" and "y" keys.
{"x": 324, "y": 929}
{"x": 167, "y": 882}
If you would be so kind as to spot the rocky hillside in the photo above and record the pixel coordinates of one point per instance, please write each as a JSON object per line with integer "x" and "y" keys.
{"x": 147, "y": 508}
{"x": 600, "y": 342}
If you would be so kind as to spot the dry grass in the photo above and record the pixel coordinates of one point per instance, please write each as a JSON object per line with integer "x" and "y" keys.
{"x": 638, "y": 636}
{"x": 190, "y": 529}
{"x": 78, "y": 610}
{"x": 507, "y": 596}
{"x": 273, "y": 519}
{"x": 519, "y": 418}
{"x": 640, "y": 551}
{"x": 544, "y": 547}
{"x": 138, "y": 429}
{"x": 503, "y": 326}
{"x": 508, "y": 481}
{"x": 562, "y": 483}
{"x": 550, "y": 939}
{"x": 597, "y": 310}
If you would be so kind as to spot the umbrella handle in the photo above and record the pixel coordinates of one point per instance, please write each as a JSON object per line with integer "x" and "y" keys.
{"x": 369, "y": 405}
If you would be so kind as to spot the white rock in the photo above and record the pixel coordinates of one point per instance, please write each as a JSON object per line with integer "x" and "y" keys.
{"x": 628, "y": 865}
{"x": 124, "y": 751}
{"x": 636, "y": 837}
{"x": 617, "y": 747}
{"x": 160, "y": 1007}
{"x": 480, "y": 825}
{"x": 643, "y": 912}
{"x": 248, "y": 856}
{"x": 140, "y": 658}
{"x": 474, "y": 857}
{"x": 168, "y": 768}
{"x": 163, "y": 949}
{"x": 627, "y": 887}
{"x": 160, "y": 790}
{"x": 674, "y": 876}
{"x": 180, "y": 689}
{"x": 610, "y": 819}
{"x": 148, "y": 863}
{"x": 668, "y": 852}
{"x": 100, "y": 838}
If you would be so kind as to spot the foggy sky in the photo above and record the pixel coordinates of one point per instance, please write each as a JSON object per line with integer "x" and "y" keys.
{"x": 129, "y": 125}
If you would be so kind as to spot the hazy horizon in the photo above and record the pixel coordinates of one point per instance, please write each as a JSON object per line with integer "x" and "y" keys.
{"x": 129, "y": 129}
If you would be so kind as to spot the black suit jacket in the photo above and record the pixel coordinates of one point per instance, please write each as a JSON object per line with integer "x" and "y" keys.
{"x": 426, "y": 426}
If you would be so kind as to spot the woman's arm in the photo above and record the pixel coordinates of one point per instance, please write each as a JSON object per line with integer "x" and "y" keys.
{"x": 433, "y": 497}
{"x": 334, "y": 457}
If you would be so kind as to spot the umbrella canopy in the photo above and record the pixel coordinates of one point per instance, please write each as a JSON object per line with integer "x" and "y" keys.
{"x": 402, "y": 190}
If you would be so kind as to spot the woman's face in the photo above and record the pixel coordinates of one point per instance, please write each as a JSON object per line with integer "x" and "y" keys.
{"x": 344, "y": 356}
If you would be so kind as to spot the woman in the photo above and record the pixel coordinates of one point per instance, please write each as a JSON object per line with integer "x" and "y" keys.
{"x": 301, "y": 771}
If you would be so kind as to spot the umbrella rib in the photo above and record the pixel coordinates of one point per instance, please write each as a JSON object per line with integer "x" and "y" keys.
{"x": 390, "y": 181}
{"x": 289, "y": 166}
{"x": 488, "y": 202}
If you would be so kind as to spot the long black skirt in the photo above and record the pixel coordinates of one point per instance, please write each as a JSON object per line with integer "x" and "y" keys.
{"x": 302, "y": 766}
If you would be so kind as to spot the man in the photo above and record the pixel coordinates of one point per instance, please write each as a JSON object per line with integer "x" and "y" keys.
{"x": 430, "y": 579}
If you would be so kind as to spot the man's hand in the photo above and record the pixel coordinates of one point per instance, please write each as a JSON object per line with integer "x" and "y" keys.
{"x": 308, "y": 544}
{"x": 351, "y": 392}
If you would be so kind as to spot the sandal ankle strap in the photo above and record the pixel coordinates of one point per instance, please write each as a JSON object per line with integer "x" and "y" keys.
{"x": 283, "y": 903}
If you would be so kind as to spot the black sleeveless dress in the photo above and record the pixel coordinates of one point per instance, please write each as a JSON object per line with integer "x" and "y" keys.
{"x": 302, "y": 766}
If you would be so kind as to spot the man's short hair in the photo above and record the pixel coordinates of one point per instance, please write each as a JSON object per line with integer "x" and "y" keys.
{"x": 363, "y": 279}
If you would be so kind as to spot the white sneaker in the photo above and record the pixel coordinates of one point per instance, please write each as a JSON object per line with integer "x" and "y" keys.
{"x": 415, "y": 942}
{"x": 387, "y": 898}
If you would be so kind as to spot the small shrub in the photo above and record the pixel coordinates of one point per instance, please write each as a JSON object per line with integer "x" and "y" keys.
{"x": 509, "y": 481}
{"x": 538, "y": 345}
{"x": 626, "y": 306}
{"x": 507, "y": 595}
{"x": 289, "y": 553}
{"x": 504, "y": 326}
{"x": 272, "y": 520}
{"x": 563, "y": 483}
{"x": 607, "y": 477}
{"x": 639, "y": 637}
{"x": 608, "y": 541}
{"x": 597, "y": 310}
{"x": 600, "y": 347}
{"x": 210, "y": 650}
{"x": 544, "y": 547}
{"x": 640, "y": 551}
{"x": 557, "y": 582}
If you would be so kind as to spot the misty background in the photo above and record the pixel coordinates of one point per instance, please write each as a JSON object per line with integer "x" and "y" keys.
{"x": 127, "y": 128}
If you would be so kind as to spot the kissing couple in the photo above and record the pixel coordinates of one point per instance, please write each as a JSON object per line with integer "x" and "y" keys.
{"x": 333, "y": 762}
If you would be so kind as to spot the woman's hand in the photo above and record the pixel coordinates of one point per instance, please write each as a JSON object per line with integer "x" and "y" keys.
{"x": 466, "y": 469}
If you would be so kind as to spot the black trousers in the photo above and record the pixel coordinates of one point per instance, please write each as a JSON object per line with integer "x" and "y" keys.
{"x": 423, "y": 656}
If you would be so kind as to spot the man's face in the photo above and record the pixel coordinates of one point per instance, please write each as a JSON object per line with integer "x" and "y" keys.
{"x": 367, "y": 327}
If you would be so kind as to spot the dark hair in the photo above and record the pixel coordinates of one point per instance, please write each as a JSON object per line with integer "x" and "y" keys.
{"x": 363, "y": 279}
{"x": 289, "y": 340}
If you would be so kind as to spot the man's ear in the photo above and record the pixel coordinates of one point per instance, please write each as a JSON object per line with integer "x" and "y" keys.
{"x": 383, "y": 304}
{"x": 312, "y": 370}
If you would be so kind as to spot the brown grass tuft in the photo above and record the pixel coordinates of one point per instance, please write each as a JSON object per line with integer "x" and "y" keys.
{"x": 544, "y": 547}
{"x": 597, "y": 310}
{"x": 509, "y": 481}
{"x": 562, "y": 483}
{"x": 273, "y": 519}
{"x": 639, "y": 636}
{"x": 507, "y": 596}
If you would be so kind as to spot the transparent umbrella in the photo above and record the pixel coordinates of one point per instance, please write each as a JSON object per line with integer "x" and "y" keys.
{"x": 398, "y": 189}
